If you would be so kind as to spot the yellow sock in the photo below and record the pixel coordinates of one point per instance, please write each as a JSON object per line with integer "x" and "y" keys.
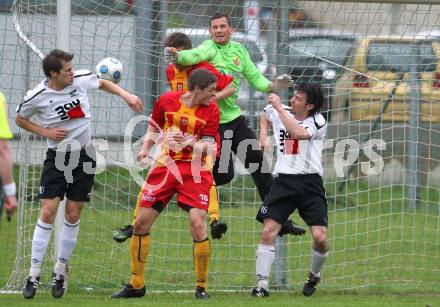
{"x": 213, "y": 207}
{"x": 139, "y": 249}
{"x": 136, "y": 210}
{"x": 202, "y": 253}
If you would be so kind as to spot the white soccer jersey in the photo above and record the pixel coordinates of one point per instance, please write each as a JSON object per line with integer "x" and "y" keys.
{"x": 68, "y": 108}
{"x": 298, "y": 157}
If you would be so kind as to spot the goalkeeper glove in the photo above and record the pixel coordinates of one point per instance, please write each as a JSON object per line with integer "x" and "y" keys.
{"x": 280, "y": 83}
{"x": 170, "y": 54}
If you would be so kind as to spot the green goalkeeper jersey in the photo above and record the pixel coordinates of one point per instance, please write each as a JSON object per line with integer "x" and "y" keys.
{"x": 232, "y": 59}
{"x": 5, "y": 132}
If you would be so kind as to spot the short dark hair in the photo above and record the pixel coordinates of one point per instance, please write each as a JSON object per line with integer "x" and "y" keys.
{"x": 178, "y": 39}
{"x": 202, "y": 78}
{"x": 218, "y": 15}
{"x": 54, "y": 61}
{"x": 314, "y": 94}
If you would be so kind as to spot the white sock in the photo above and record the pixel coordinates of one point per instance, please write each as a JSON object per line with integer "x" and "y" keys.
{"x": 265, "y": 258}
{"x": 68, "y": 238}
{"x": 40, "y": 241}
{"x": 318, "y": 260}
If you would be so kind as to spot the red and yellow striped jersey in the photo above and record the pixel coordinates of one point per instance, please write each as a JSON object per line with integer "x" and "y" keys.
{"x": 201, "y": 121}
{"x": 178, "y": 80}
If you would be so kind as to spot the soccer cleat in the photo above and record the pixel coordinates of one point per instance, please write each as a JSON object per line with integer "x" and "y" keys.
{"x": 59, "y": 283}
{"x": 310, "y": 285}
{"x": 30, "y": 287}
{"x": 201, "y": 293}
{"x": 290, "y": 227}
{"x": 128, "y": 292}
{"x": 123, "y": 233}
{"x": 218, "y": 228}
{"x": 259, "y": 292}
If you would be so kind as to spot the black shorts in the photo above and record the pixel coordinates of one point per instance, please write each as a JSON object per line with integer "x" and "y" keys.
{"x": 59, "y": 177}
{"x": 290, "y": 192}
{"x": 223, "y": 171}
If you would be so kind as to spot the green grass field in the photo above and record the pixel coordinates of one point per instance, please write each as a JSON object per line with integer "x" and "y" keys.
{"x": 232, "y": 299}
{"x": 381, "y": 253}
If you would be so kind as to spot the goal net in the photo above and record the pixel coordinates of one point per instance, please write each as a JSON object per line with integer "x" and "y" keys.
{"x": 378, "y": 64}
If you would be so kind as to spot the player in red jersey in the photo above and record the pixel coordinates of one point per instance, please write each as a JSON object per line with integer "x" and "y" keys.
{"x": 188, "y": 123}
{"x": 177, "y": 76}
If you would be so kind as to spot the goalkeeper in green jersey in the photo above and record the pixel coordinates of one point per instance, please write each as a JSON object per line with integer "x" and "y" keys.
{"x": 237, "y": 136}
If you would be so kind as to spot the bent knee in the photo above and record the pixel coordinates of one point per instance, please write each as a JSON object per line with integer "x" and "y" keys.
{"x": 320, "y": 242}
{"x": 72, "y": 217}
{"x": 198, "y": 227}
{"x": 47, "y": 216}
{"x": 270, "y": 232}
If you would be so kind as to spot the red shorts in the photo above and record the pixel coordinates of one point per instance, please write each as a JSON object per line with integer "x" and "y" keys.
{"x": 164, "y": 181}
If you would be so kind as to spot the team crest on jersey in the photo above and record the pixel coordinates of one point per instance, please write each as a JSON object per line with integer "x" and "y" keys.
{"x": 74, "y": 93}
{"x": 184, "y": 121}
{"x": 236, "y": 61}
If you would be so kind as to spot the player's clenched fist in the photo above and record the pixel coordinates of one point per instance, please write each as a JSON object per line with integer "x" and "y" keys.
{"x": 274, "y": 100}
{"x": 170, "y": 54}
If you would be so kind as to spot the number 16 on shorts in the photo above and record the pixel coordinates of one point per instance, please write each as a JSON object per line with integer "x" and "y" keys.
{"x": 204, "y": 199}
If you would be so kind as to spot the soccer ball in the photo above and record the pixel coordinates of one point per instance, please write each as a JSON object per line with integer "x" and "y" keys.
{"x": 110, "y": 69}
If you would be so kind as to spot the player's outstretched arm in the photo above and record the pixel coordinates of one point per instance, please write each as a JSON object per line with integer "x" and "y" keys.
{"x": 204, "y": 52}
{"x": 295, "y": 130}
{"x": 259, "y": 82}
{"x": 251, "y": 73}
{"x": 133, "y": 101}
{"x": 226, "y": 92}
